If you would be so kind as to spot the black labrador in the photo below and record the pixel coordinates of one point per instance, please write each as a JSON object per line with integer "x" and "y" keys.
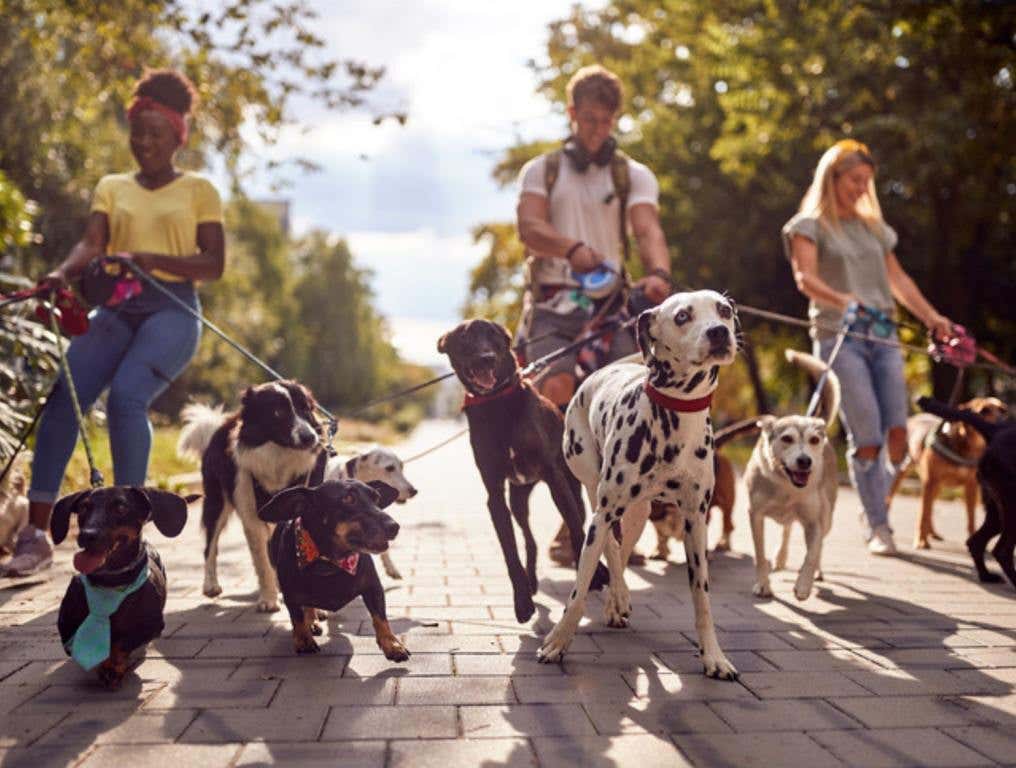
{"x": 996, "y": 473}
{"x": 516, "y": 436}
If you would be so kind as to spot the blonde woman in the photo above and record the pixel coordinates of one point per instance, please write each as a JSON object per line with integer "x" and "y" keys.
{"x": 841, "y": 251}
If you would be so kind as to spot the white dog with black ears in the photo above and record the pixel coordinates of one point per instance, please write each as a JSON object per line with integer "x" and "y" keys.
{"x": 637, "y": 433}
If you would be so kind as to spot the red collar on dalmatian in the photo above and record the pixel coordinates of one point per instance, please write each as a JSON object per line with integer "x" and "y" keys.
{"x": 472, "y": 400}
{"x": 677, "y": 404}
{"x": 307, "y": 552}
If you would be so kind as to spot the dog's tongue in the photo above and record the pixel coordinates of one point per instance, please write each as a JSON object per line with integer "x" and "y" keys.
{"x": 799, "y": 478}
{"x": 85, "y": 562}
{"x": 485, "y": 379}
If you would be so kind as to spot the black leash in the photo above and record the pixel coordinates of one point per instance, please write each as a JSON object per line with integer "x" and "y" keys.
{"x": 333, "y": 424}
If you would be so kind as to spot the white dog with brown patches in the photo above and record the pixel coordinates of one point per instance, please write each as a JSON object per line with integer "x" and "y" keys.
{"x": 790, "y": 476}
{"x": 638, "y": 433}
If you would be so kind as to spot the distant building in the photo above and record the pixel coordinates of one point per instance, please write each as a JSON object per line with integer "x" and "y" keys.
{"x": 280, "y": 210}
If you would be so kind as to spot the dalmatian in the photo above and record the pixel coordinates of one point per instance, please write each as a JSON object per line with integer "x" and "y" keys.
{"x": 642, "y": 433}
{"x": 377, "y": 463}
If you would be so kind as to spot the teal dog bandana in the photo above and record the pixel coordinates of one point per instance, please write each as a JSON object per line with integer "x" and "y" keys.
{"x": 90, "y": 645}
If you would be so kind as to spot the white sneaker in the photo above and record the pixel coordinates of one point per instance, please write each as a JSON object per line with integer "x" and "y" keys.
{"x": 881, "y": 542}
{"x": 32, "y": 553}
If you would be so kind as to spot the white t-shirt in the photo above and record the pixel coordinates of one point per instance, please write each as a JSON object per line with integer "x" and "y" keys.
{"x": 584, "y": 206}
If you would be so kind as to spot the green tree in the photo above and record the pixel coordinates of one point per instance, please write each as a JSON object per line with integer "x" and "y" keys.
{"x": 731, "y": 103}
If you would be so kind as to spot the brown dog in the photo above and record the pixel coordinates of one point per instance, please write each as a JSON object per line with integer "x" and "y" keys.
{"x": 945, "y": 457}
{"x": 670, "y": 524}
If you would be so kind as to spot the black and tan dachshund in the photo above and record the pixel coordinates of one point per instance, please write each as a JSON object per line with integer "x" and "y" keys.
{"x": 321, "y": 551}
{"x": 115, "y": 605}
{"x": 517, "y": 436}
{"x": 996, "y": 473}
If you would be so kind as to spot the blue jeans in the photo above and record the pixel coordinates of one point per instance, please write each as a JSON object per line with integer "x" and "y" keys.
{"x": 874, "y": 400}
{"x": 136, "y": 356}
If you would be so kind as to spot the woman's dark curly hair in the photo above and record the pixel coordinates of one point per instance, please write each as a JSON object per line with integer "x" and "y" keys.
{"x": 168, "y": 87}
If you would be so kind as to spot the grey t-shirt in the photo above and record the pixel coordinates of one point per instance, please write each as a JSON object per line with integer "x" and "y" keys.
{"x": 851, "y": 259}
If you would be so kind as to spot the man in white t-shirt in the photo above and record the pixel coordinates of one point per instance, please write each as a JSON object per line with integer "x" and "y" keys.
{"x": 571, "y": 223}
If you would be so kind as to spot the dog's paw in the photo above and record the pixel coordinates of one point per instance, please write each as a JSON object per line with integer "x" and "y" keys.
{"x": 723, "y": 545}
{"x": 762, "y": 589}
{"x": 111, "y": 675}
{"x": 819, "y": 576}
{"x": 524, "y": 607}
{"x": 397, "y": 652}
{"x": 617, "y": 609}
{"x": 393, "y": 572}
{"x": 554, "y": 646}
{"x": 267, "y": 606}
{"x": 660, "y": 555}
{"x": 780, "y": 564}
{"x": 991, "y": 578}
{"x": 601, "y": 578}
{"x": 802, "y": 589}
{"x": 938, "y": 537}
{"x": 922, "y": 543}
{"x": 212, "y": 590}
{"x": 306, "y": 645}
{"x": 717, "y": 666}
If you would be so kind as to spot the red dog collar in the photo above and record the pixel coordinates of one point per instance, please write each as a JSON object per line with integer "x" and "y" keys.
{"x": 472, "y": 400}
{"x": 676, "y": 404}
{"x": 307, "y": 552}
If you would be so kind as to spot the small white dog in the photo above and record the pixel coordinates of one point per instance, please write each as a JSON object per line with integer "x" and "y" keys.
{"x": 790, "y": 476}
{"x": 378, "y": 463}
{"x": 638, "y": 433}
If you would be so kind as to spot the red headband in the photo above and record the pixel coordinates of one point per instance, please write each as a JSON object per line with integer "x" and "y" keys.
{"x": 145, "y": 103}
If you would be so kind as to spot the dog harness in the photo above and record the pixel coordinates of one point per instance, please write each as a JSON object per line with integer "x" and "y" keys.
{"x": 90, "y": 644}
{"x": 936, "y": 441}
{"x": 307, "y": 552}
{"x": 676, "y": 403}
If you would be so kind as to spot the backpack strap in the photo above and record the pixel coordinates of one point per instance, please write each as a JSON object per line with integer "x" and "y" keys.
{"x": 551, "y": 170}
{"x": 621, "y": 177}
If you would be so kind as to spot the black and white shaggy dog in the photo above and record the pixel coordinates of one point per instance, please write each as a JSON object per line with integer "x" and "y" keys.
{"x": 641, "y": 433}
{"x": 272, "y": 443}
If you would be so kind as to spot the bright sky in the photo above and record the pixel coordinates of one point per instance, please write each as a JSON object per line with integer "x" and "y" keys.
{"x": 459, "y": 69}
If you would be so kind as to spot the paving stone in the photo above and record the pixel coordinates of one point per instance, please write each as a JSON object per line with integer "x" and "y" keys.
{"x": 438, "y": 753}
{"x": 643, "y": 751}
{"x": 781, "y": 715}
{"x": 353, "y": 754}
{"x": 67, "y": 698}
{"x": 39, "y": 756}
{"x": 19, "y": 730}
{"x": 660, "y": 716}
{"x": 486, "y": 722}
{"x": 686, "y": 687}
{"x": 159, "y": 756}
{"x": 454, "y": 644}
{"x": 689, "y": 662}
{"x": 504, "y": 664}
{"x": 295, "y": 667}
{"x": 909, "y": 712}
{"x": 925, "y": 682}
{"x": 998, "y": 743}
{"x": 418, "y": 722}
{"x": 85, "y": 727}
{"x": 818, "y": 661}
{"x": 527, "y": 644}
{"x": 754, "y": 749}
{"x": 242, "y": 725}
{"x": 195, "y": 692}
{"x": 344, "y": 692}
{"x": 573, "y": 688}
{"x": 457, "y": 690}
{"x": 902, "y": 747}
{"x": 791, "y": 685}
{"x": 418, "y": 664}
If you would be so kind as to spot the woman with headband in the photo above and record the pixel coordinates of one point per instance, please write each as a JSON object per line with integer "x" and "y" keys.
{"x": 169, "y": 223}
{"x": 842, "y": 253}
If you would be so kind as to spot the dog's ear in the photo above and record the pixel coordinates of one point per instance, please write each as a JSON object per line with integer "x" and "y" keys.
{"x": 504, "y": 333}
{"x": 644, "y": 335}
{"x": 766, "y": 424}
{"x": 442, "y": 343}
{"x": 247, "y": 396}
{"x": 168, "y": 510}
{"x": 386, "y": 492}
{"x": 61, "y": 519}
{"x": 287, "y": 504}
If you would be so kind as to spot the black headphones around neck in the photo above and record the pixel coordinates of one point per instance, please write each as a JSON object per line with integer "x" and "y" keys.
{"x": 580, "y": 157}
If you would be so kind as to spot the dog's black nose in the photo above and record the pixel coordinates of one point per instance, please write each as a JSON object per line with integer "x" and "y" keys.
{"x": 412, "y": 492}
{"x": 391, "y": 529}
{"x": 718, "y": 335}
{"x": 88, "y": 537}
{"x": 804, "y": 462}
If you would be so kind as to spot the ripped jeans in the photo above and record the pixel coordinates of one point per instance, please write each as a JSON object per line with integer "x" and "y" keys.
{"x": 874, "y": 400}
{"x": 136, "y": 356}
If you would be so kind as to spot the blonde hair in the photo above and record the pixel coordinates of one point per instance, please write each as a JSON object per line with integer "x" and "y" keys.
{"x": 595, "y": 83}
{"x": 820, "y": 199}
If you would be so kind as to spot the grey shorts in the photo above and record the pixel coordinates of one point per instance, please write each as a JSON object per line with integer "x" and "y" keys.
{"x": 563, "y": 330}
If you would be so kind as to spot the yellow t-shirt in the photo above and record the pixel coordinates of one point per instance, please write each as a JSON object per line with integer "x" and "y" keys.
{"x": 163, "y": 220}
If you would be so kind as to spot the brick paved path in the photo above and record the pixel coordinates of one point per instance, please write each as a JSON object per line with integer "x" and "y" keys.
{"x": 894, "y": 662}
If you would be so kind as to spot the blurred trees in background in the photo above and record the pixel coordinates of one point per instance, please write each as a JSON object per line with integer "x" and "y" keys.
{"x": 67, "y": 71}
{"x": 732, "y": 102}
